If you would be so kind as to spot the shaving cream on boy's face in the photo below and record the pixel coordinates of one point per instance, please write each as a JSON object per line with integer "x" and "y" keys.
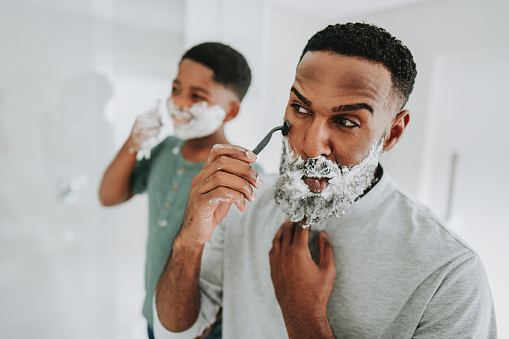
{"x": 318, "y": 188}
{"x": 197, "y": 121}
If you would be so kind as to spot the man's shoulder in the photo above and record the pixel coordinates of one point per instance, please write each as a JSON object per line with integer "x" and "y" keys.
{"x": 413, "y": 226}
{"x": 404, "y": 231}
{"x": 419, "y": 217}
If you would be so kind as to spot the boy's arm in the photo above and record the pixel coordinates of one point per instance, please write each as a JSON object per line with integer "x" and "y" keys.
{"x": 114, "y": 188}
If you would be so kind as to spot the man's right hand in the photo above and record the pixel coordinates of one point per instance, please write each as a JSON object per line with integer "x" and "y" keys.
{"x": 225, "y": 179}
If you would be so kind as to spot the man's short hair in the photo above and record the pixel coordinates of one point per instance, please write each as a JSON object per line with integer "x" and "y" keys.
{"x": 229, "y": 66}
{"x": 372, "y": 43}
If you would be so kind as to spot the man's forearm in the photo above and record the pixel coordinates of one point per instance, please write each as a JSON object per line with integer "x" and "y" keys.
{"x": 310, "y": 326}
{"x": 177, "y": 292}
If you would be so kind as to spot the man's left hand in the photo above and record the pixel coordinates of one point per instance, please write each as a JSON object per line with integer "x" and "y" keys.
{"x": 302, "y": 287}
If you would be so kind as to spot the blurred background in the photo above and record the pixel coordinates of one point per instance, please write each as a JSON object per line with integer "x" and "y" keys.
{"x": 75, "y": 74}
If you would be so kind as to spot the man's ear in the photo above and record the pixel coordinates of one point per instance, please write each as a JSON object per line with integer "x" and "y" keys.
{"x": 399, "y": 124}
{"x": 233, "y": 111}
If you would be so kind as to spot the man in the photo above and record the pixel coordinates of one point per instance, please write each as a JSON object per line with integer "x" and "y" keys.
{"x": 358, "y": 258}
{"x": 211, "y": 82}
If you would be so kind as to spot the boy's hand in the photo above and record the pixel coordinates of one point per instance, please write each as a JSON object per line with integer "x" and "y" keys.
{"x": 225, "y": 179}
{"x": 145, "y": 131}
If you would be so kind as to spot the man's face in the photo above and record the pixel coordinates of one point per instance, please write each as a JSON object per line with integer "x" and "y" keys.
{"x": 339, "y": 106}
{"x": 341, "y": 111}
{"x": 198, "y": 104}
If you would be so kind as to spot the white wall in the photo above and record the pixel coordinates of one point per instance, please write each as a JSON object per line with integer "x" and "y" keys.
{"x": 432, "y": 29}
{"x": 73, "y": 77}
{"x": 289, "y": 33}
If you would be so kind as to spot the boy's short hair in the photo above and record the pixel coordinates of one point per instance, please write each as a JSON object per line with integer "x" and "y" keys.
{"x": 229, "y": 66}
{"x": 372, "y": 43}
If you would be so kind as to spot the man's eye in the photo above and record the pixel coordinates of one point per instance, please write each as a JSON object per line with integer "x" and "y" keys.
{"x": 345, "y": 122}
{"x": 300, "y": 109}
{"x": 174, "y": 90}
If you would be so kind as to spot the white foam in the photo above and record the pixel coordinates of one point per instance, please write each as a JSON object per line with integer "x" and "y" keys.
{"x": 197, "y": 121}
{"x": 218, "y": 200}
{"x": 346, "y": 184}
{"x": 146, "y": 130}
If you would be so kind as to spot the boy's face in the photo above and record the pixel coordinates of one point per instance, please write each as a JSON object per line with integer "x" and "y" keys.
{"x": 194, "y": 83}
{"x": 198, "y": 105}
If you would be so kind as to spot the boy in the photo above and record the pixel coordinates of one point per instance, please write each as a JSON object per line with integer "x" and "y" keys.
{"x": 211, "y": 82}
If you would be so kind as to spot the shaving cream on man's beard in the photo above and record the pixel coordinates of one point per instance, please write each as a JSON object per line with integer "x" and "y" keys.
{"x": 345, "y": 184}
{"x": 197, "y": 121}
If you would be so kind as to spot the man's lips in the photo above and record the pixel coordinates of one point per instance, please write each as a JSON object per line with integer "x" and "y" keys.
{"x": 316, "y": 185}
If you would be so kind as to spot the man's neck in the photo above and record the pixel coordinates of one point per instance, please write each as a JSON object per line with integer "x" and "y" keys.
{"x": 376, "y": 178}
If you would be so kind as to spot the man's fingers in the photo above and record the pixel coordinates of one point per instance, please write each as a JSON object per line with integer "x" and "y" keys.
{"x": 276, "y": 245}
{"x": 276, "y": 242}
{"x": 224, "y": 179}
{"x": 292, "y": 234}
{"x": 326, "y": 252}
{"x": 301, "y": 235}
{"x": 231, "y": 151}
{"x": 287, "y": 236}
{"x": 224, "y": 195}
{"x": 232, "y": 166}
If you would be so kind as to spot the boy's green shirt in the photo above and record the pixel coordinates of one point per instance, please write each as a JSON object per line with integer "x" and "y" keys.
{"x": 166, "y": 177}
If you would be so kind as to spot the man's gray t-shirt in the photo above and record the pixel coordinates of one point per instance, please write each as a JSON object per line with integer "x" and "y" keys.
{"x": 401, "y": 273}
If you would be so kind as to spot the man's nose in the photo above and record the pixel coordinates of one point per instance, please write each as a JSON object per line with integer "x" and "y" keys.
{"x": 317, "y": 139}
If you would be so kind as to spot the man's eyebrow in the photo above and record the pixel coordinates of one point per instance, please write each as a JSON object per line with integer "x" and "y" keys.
{"x": 337, "y": 109}
{"x": 353, "y": 107}
{"x": 301, "y": 97}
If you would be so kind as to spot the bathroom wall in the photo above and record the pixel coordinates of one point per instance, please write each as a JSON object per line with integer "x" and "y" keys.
{"x": 73, "y": 78}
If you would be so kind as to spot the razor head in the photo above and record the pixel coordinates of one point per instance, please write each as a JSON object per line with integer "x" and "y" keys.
{"x": 286, "y": 128}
